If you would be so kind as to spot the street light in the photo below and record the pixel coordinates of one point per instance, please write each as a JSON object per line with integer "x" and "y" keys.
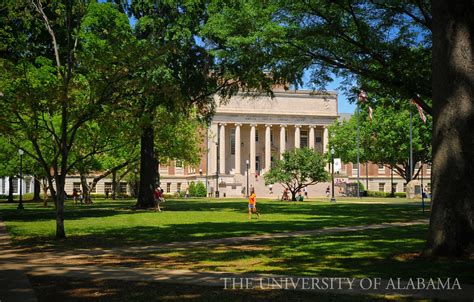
{"x": 332, "y": 172}
{"x": 20, "y": 205}
{"x": 247, "y": 163}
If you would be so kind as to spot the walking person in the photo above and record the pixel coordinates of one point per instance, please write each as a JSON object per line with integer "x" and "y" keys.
{"x": 158, "y": 198}
{"x": 74, "y": 195}
{"x": 306, "y": 192}
{"x": 328, "y": 190}
{"x": 253, "y": 204}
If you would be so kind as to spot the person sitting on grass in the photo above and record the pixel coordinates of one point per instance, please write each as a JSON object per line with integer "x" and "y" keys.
{"x": 253, "y": 204}
{"x": 299, "y": 197}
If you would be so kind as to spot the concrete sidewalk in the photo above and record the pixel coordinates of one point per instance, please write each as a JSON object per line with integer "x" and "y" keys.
{"x": 14, "y": 284}
{"x": 243, "y": 239}
{"x": 225, "y": 280}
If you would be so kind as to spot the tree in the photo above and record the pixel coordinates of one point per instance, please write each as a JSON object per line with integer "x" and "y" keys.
{"x": 182, "y": 72}
{"x": 201, "y": 189}
{"x": 384, "y": 45}
{"x": 451, "y": 230}
{"x": 384, "y": 140}
{"x": 62, "y": 64}
{"x": 298, "y": 169}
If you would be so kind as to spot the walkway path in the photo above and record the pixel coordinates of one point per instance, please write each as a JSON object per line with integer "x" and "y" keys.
{"x": 15, "y": 286}
{"x": 247, "y": 239}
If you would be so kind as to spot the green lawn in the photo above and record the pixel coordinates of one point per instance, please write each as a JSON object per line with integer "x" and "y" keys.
{"x": 114, "y": 223}
{"x": 385, "y": 253}
{"x": 390, "y": 252}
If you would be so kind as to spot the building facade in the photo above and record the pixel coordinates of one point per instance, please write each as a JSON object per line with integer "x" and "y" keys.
{"x": 247, "y": 135}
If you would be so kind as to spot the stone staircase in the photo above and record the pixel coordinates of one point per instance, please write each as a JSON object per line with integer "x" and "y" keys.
{"x": 236, "y": 186}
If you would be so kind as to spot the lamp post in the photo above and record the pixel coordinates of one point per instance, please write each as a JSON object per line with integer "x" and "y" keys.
{"x": 20, "y": 205}
{"x": 247, "y": 164}
{"x": 333, "y": 199}
{"x": 422, "y": 190}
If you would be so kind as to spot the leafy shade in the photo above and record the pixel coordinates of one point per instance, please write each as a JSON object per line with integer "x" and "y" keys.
{"x": 298, "y": 169}
{"x": 385, "y": 140}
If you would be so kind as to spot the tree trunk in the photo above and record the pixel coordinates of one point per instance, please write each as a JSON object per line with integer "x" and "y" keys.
{"x": 105, "y": 174}
{"x": 293, "y": 195}
{"x": 36, "y": 189}
{"x": 10, "y": 189}
{"x": 114, "y": 184}
{"x": 86, "y": 194}
{"x": 451, "y": 229}
{"x": 59, "y": 201}
{"x": 147, "y": 170}
{"x": 45, "y": 193}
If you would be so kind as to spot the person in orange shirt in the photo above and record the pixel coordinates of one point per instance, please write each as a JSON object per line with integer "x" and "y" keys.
{"x": 253, "y": 204}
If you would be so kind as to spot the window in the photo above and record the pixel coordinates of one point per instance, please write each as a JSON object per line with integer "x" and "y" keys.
{"x": 404, "y": 187}
{"x": 381, "y": 167}
{"x": 257, "y": 163}
{"x": 123, "y": 188}
{"x": 232, "y": 142}
{"x": 107, "y": 187}
{"x": 271, "y": 135}
{"x": 77, "y": 185}
{"x": 168, "y": 187}
{"x": 15, "y": 185}
{"x": 303, "y": 138}
{"x": 27, "y": 184}
{"x": 179, "y": 163}
{"x": 318, "y": 139}
{"x": 178, "y": 187}
{"x": 381, "y": 186}
{"x": 394, "y": 187}
{"x": 256, "y": 134}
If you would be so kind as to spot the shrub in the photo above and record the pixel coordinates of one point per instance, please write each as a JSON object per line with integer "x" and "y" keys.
{"x": 192, "y": 189}
{"x": 201, "y": 189}
{"x": 401, "y": 194}
{"x": 378, "y": 194}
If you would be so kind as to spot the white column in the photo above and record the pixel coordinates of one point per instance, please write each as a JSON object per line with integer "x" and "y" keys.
{"x": 282, "y": 140}
{"x": 268, "y": 148}
{"x": 297, "y": 136}
{"x": 325, "y": 140}
{"x": 222, "y": 149}
{"x": 311, "y": 137}
{"x": 237, "y": 148}
{"x": 252, "y": 148}
{"x": 212, "y": 145}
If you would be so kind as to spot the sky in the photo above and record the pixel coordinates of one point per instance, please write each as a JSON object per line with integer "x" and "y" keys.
{"x": 343, "y": 103}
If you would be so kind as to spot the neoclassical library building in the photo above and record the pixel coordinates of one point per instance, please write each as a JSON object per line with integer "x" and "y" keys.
{"x": 247, "y": 135}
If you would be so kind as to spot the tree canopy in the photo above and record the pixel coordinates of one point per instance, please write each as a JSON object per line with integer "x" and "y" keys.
{"x": 385, "y": 139}
{"x": 298, "y": 169}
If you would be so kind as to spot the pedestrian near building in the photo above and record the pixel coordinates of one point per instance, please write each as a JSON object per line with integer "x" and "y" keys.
{"x": 253, "y": 204}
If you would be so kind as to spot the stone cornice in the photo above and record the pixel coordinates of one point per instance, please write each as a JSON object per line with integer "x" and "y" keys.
{"x": 261, "y": 119}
